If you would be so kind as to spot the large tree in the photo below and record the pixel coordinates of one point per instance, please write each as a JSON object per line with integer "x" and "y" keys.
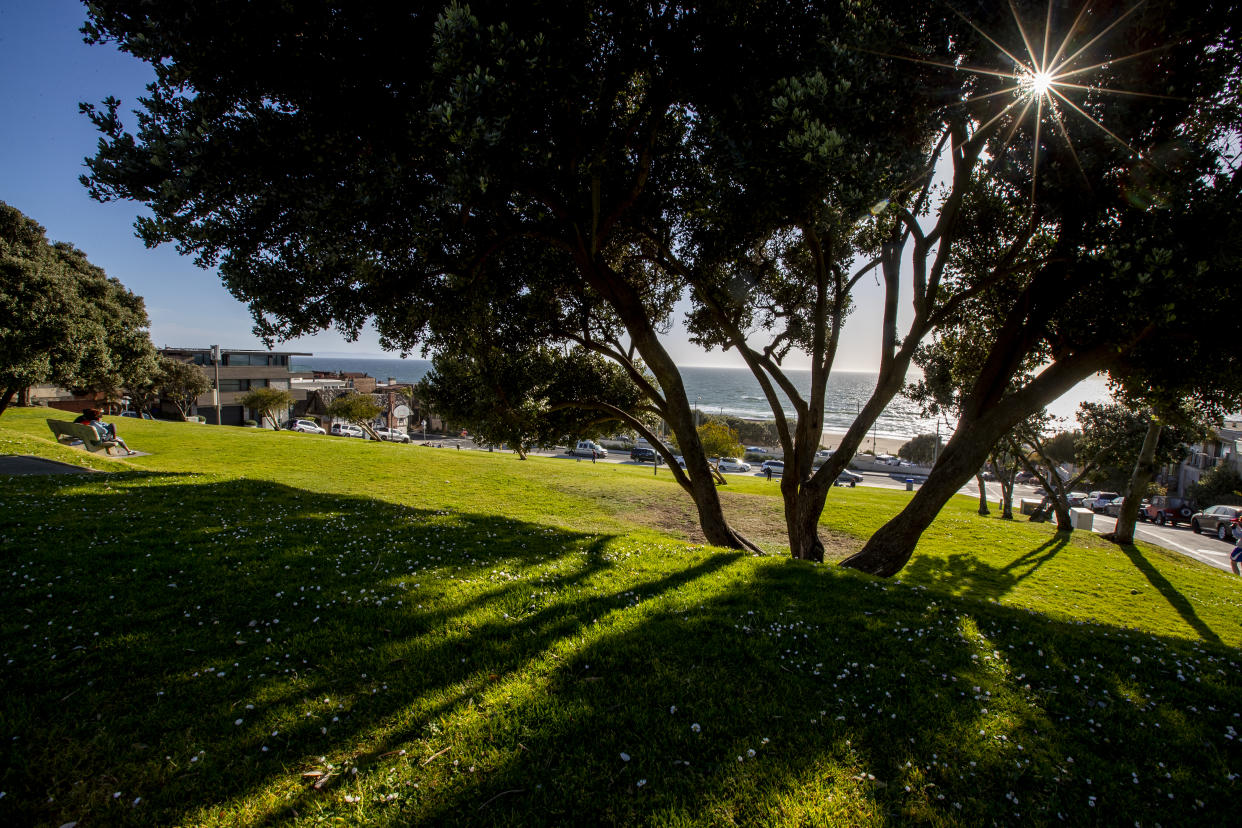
{"x": 370, "y": 160}
{"x": 62, "y": 320}
{"x": 380, "y": 157}
{"x": 1079, "y": 237}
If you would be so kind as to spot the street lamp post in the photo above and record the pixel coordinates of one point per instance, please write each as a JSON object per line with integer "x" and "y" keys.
{"x": 215, "y": 392}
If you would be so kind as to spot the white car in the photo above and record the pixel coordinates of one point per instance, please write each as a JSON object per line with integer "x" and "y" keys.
{"x": 587, "y": 448}
{"x": 349, "y": 430}
{"x": 393, "y": 435}
{"x": 732, "y": 464}
{"x": 306, "y": 427}
{"x": 777, "y": 467}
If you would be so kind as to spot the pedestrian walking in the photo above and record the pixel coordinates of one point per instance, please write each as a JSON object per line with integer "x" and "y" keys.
{"x": 592, "y": 457}
{"x": 1235, "y": 557}
{"x": 768, "y": 470}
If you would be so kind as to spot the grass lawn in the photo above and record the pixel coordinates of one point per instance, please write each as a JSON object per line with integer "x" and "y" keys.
{"x": 250, "y": 627}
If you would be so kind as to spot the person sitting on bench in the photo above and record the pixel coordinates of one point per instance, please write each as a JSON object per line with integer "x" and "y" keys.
{"x": 106, "y": 431}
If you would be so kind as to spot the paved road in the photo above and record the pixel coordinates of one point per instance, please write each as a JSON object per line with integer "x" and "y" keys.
{"x": 1204, "y": 548}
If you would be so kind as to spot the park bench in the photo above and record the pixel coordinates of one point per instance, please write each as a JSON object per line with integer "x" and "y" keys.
{"x": 68, "y": 432}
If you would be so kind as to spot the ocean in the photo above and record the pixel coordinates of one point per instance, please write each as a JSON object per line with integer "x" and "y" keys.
{"x": 735, "y": 392}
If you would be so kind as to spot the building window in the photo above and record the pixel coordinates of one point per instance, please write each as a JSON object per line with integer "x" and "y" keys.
{"x": 234, "y": 385}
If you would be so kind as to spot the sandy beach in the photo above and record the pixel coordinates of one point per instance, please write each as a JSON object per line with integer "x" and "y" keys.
{"x": 882, "y": 445}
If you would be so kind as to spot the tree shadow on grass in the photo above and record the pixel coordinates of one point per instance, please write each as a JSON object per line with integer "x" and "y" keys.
{"x": 966, "y": 574}
{"x": 209, "y": 633}
{"x": 802, "y": 697}
{"x": 1169, "y": 592}
{"x": 476, "y": 670}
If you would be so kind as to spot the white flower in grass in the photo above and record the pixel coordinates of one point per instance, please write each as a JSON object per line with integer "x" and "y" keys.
{"x": 641, "y": 782}
{"x": 750, "y": 752}
{"x": 625, "y": 757}
{"x": 695, "y": 727}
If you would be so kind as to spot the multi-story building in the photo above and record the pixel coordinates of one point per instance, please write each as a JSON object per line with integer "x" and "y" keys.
{"x": 238, "y": 372}
{"x": 1221, "y": 448}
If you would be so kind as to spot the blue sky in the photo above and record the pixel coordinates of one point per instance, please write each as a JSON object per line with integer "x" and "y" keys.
{"x": 46, "y": 70}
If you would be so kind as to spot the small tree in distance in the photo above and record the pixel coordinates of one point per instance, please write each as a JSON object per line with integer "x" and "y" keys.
{"x": 181, "y": 383}
{"x": 268, "y": 402}
{"x": 921, "y": 450}
{"x": 719, "y": 440}
{"x": 359, "y": 409}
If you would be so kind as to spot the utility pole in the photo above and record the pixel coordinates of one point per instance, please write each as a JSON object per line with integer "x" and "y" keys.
{"x": 215, "y": 392}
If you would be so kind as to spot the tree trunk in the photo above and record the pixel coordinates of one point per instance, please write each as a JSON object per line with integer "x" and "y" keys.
{"x": 803, "y": 507}
{"x": 1144, "y": 471}
{"x": 983, "y": 495}
{"x": 1060, "y": 507}
{"x": 890, "y": 548}
{"x": 7, "y": 397}
{"x": 1006, "y": 504}
{"x": 677, "y": 411}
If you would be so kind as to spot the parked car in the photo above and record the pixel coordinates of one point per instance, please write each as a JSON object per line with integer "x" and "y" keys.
{"x": 681, "y": 461}
{"x": 1218, "y": 520}
{"x": 1168, "y": 509}
{"x": 585, "y": 448}
{"x": 732, "y": 464}
{"x": 643, "y": 454}
{"x": 848, "y": 478}
{"x": 144, "y": 415}
{"x": 1113, "y": 508}
{"x": 1096, "y": 501}
{"x": 1075, "y": 498}
{"x": 393, "y": 435}
{"x": 777, "y": 467}
{"x": 349, "y": 430}
{"x": 306, "y": 427}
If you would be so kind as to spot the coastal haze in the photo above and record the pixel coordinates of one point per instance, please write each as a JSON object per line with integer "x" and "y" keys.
{"x": 735, "y": 392}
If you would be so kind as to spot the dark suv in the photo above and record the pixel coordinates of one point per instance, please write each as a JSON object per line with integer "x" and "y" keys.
{"x": 1167, "y": 509}
{"x": 1218, "y": 520}
{"x": 643, "y": 454}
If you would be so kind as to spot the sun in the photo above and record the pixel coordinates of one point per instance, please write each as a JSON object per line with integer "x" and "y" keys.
{"x": 1037, "y": 84}
{"x": 1045, "y": 77}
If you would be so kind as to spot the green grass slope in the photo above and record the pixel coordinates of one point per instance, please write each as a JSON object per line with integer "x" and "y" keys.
{"x": 250, "y": 628}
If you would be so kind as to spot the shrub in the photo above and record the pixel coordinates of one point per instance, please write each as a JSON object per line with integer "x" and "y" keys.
{"x": 1220, "y": 486}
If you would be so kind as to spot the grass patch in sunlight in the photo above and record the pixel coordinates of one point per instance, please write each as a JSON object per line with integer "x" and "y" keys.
{"x": 255, "y": 614}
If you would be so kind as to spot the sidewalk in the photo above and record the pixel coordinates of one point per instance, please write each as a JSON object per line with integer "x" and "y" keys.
{"x": 11, "y": 464}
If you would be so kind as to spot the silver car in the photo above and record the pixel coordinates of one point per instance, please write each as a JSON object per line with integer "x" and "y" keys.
{"x": 306, "y": 427}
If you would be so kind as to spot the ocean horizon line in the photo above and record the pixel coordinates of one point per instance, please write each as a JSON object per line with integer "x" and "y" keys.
{"x": 370, "y": 355}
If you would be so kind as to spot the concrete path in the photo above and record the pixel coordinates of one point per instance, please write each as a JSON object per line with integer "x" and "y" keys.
{"x": 11, "y": 464}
